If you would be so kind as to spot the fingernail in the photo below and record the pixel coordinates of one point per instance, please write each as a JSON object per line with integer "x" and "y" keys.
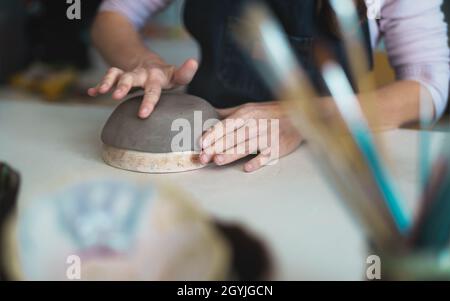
{"x": 104, "y": 86}
{"x": 144, "y": 112}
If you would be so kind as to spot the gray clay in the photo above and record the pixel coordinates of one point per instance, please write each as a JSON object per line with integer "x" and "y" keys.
{"x": 125, "y": 130}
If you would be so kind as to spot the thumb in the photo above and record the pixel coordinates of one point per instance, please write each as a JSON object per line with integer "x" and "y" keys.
{"x": 185, "y": 73}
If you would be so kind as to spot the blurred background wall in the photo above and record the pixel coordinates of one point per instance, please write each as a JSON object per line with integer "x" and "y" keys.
{"x": 36, "y": 38}
{"x": 13, "y": 42}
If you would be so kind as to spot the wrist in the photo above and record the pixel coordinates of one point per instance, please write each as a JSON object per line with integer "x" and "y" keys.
{"x": 146, "y": 58}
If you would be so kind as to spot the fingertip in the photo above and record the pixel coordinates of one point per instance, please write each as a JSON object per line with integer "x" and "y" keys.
{"x": 92, "y": 92}
{"x": 203, "y": 158}
{"x": 193, "y": 63}
{"x": 249, "y": 167}
{"x": 144, "y": 112}
{"x": 219, "y": 159}
{"x": 186, "y": 72}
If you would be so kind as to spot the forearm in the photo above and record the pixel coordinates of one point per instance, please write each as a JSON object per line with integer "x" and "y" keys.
{"x": 391, "y": 106}
{"x": 415, "y": 39}
{"x": 119, "y": 43}
{"x": 400, "y": 103}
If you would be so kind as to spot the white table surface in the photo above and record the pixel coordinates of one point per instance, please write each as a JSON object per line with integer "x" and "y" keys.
{"x": 289, "y": 205}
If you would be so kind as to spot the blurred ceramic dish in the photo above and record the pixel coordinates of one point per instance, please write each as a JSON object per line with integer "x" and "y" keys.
{"x": 115, "y": 230}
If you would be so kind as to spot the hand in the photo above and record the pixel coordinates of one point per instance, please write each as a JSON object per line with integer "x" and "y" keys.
{"x": 153, "y": 77}
{"x": 261, "y": 128}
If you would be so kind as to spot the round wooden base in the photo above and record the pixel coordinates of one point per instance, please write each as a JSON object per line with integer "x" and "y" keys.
{"x": 151, "y": 162}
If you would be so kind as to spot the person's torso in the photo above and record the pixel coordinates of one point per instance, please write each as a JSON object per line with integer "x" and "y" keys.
{"x": 226, "y": 76}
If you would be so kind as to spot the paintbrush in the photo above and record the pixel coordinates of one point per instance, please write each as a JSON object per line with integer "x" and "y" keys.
{"x": 337, "y": 154}
{"x": 426, "y": 123}
{"x": 433, "y": 227}
{"x": 349, "y": 24}
{"x": 354, "y": 110}
{"x": 350, "y": 109}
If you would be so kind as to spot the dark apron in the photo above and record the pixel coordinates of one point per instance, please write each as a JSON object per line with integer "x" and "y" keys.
{"x": 226, "y": 77}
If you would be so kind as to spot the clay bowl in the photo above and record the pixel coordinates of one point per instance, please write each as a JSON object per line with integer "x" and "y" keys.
{"x": 165, "y": 142}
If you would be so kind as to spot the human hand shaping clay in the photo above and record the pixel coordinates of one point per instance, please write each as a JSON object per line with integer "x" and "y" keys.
{"x": 152, "y": 76}
{"x": 245, "y": 128}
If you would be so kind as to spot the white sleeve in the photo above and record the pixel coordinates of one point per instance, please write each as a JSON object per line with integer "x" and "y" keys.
{"x": 137, "y": 11}
{"x": 415, "y": 34}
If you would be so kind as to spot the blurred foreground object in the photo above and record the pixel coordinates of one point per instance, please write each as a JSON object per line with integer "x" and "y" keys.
{"x": 106, "y": 229}
{"x": 13, "y": 39}
{"x": 9, "y": 190}
{"x": 347, "y": 153}
{"x": 341, "y": 143}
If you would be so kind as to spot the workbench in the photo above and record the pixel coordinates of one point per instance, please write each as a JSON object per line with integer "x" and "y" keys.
{"x": 289, "y": 205}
